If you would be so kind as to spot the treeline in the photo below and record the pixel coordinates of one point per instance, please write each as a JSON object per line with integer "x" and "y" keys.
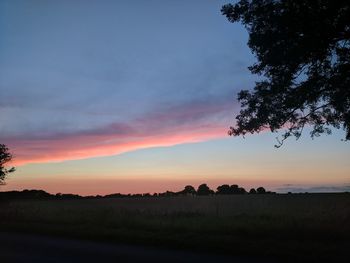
{"x": 35, "y": 194}
{"x": 224, "y": 189}
{"x": 189, "y": 190}
{"x": 202, "y": 190}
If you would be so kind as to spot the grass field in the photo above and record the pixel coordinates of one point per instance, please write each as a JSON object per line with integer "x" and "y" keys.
{"x": 288, "y": 227}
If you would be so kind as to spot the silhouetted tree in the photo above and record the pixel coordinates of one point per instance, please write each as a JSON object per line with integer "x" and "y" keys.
{"x": 167, "y": 193}
{"x": 203, "y": 189}
{"x": 115, "y": 195}
{"x": 5, "y": 157}
{"x": 252, "y": 191}
{"x": 223, "y": 190}
{"x": 26, "y": 194}
{"x": 303, "y": 53}
{"x": 261, "y": 190}
{"x": 188, "y": 190}
{"x": 234, "y": 189}
{"x": 241, "y": 190}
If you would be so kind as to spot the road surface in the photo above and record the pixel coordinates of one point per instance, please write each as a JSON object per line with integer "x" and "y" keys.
{"x": 30, "y": 248}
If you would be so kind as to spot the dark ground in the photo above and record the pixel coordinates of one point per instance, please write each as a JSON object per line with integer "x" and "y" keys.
{"x": 280, "y": 227}
{"x": 42, "y": 249}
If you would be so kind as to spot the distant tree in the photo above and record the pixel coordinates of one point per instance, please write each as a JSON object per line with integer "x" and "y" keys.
{"x": 5, "y": 157}
{"x": 115, "y": 195}
{"x": 261, "y": 190}
{"x": 303, "y": 53}
{"x": 70, "y": 196}
{"x": 234, "y": 189}
{"x": 26, "y": 194}
{"x": 223, "y": 190}
{"x": 35, "y": 194}
{"x": 167, "y": 193}
{"x": 241, "y": 190}
{"x": 252, "y": 191}
{"x": 188, "y": 190}
{"x": 203, "y": 189}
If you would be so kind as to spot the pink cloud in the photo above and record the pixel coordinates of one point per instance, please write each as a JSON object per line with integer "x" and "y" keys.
{"x": 192, "y": 122}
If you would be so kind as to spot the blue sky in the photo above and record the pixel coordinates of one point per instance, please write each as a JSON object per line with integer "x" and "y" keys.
{"x": 87, "y": 79}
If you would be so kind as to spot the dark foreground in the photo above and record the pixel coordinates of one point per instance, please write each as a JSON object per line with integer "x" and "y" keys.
{"x": 293, "y": 228}
{"x": 40, "y": 249}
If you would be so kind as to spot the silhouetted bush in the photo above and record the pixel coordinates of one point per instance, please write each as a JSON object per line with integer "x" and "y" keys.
{"x": 242, "y": 190}
{"x": 188, "y": 190}
{"x": 70, "y": 196}
{"x": 261, "y": 190}
{"x": 203, "y": 189}
{"x": 114, "y": 195}
{"x": 252, "y": 191}
{"x": 167, "y": 194}
{"x": 223, "y": 190}
{"x": 234, "y": 189}
{"x": 26, "y": 194}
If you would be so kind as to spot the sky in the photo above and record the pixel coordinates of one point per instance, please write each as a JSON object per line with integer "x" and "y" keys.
{"x": 100, "y": 97}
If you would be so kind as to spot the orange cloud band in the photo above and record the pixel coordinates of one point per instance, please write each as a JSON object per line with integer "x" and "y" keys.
{"x": 192, "y": 122}
{"x": 80, "y": 147}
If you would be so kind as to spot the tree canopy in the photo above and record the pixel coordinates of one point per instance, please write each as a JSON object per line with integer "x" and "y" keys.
{"x": 260, "y": 190}
{"x": 303, "y": 58}
{"x": 189, "y": 189}
{"x": 204, "y": 189}
{"x": 5, "y": 157}
{"x": 225, "y": 189}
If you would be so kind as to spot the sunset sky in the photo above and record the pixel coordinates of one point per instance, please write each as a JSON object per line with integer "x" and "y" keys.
{"x": 137, "y": 96}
